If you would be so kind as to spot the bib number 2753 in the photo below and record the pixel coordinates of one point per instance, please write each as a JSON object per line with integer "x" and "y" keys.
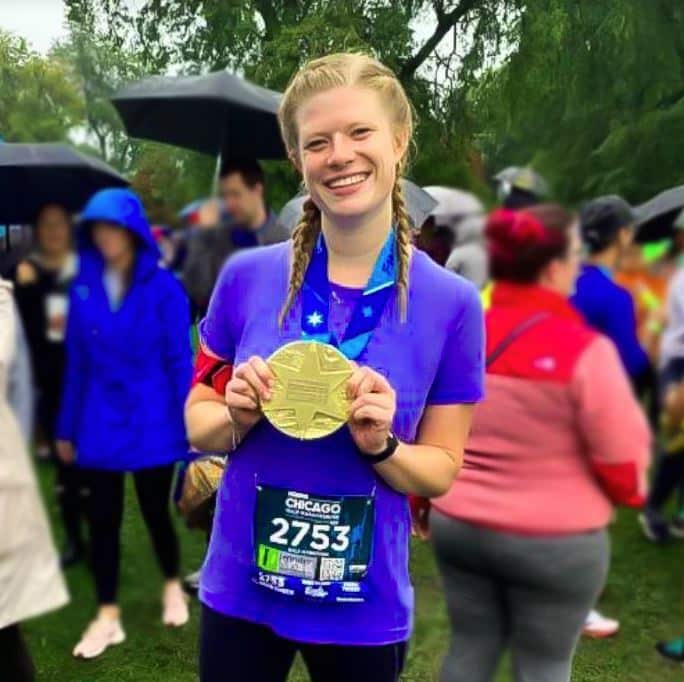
{"x": 316, "y": 536}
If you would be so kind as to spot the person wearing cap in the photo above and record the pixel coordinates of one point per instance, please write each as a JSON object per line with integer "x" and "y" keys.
{"x": 128, "y": 371}
{"x": 607, "y": 226}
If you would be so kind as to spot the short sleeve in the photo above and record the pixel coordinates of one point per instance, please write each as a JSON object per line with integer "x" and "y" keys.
{"x": 460, "y": 374}
{"x": 215, "y": 331}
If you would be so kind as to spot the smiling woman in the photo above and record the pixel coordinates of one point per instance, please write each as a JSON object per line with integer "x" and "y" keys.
{"x": 309, "y": 550}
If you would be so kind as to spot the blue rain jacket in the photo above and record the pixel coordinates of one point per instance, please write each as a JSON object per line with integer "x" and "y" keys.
{"x": 609, "y": 309}
{"x": 128, "y": 369}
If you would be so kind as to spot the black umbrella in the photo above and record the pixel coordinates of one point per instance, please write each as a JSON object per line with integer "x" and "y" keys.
{"x": 657, "y": 216}
{"x": 32, "y": 175}
{"x": 217, "y": 114}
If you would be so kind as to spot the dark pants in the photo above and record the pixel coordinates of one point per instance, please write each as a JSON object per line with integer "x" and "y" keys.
{"x": 15, "y": 660}
{"x": 68, "y": 483}
{"x": 105, "y": 511}
{"x": 647, "y": 388}
{"x": 669, "y": 471}
{"x": 234, "y": 650}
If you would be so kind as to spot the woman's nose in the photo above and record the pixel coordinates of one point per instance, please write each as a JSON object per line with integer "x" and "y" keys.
{"x": 341, "y": 150}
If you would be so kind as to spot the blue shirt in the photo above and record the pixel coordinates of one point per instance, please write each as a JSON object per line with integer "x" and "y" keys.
{"x": 609, "y": 309}
{"x": 435, "y": 358}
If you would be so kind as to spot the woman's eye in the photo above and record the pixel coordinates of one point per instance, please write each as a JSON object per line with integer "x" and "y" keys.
{"x": 315, "y": 145}
{"x": 361, "y": 132}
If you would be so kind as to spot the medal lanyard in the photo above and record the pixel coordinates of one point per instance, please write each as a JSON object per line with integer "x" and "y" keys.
{"x": 368, "y": 309}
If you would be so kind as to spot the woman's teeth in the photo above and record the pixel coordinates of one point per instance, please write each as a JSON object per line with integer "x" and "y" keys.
{"x": 345, "y": 182}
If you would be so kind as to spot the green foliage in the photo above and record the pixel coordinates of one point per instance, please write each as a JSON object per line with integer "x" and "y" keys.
{"x": 38, "y": 100}
{"x": 591, "y": 95}
{"x": 588, "y": 92}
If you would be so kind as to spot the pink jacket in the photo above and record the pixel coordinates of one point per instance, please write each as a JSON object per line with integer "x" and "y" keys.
{"x": 560, "y": 437}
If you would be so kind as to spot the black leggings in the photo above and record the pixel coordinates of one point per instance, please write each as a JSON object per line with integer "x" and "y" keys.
{"x": 668, "y": 477}
{"x": 105, "y": 511}
{"x": 15, "y": 660}
{"x": 68, "y": 484}
{"x": 239, "y": 651}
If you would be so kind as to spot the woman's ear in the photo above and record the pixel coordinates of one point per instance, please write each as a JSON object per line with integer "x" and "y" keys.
{"x": 294, "y": 160}
{"x": 401, "y": 143}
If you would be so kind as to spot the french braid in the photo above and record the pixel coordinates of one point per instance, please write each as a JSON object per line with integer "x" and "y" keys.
{"x": 303, "y": 239}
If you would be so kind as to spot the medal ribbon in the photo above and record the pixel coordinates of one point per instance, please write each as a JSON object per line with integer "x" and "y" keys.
{"x": 368, "y": 310}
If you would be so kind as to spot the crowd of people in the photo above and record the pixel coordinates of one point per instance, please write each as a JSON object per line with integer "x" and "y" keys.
{"x": 512, "y": 372}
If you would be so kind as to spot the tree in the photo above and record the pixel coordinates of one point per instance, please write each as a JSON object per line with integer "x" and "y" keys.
{"x": 38, "y": 100}
{"x": 103, "y": 57}
{"x": 268, "y": 40}
{"x": 592, "y": 95}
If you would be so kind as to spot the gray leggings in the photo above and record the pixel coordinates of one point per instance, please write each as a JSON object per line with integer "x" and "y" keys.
{"x": 503, "y": 590}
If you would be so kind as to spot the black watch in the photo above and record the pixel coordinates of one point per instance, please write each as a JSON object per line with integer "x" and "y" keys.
{"x": 390, "y": 449}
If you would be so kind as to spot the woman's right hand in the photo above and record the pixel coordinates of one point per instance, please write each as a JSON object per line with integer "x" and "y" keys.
{"x": 251, "y": 383}
{"x": 65, "y": 451}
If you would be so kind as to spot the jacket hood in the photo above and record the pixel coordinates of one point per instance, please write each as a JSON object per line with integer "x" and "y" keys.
{"x": 121, "y": 207}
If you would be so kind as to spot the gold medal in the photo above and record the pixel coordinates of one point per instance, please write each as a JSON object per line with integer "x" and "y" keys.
{"x": 310, "y": 393}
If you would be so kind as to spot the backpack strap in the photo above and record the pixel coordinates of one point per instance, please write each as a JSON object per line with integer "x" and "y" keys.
{"x": 513, "y": 335}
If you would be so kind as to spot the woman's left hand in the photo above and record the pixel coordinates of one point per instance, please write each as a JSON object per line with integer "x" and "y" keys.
{"x": 374, "y": 404}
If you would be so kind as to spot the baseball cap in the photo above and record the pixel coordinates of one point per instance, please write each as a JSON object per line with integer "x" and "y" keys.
{"x": 602, "y": 218}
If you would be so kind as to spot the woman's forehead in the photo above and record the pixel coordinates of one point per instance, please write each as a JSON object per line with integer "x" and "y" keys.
{"x": 338, "y": 108}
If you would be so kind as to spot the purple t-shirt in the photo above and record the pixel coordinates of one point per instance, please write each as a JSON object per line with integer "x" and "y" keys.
{"x": 434, "y": 358}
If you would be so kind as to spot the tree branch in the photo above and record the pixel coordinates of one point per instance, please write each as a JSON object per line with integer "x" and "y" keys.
{"x": 445, "y": 22}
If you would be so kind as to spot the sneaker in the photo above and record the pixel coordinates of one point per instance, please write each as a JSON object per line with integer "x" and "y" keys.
{"x": 175, "y": 612}
{"x": 191, "y": 582}
{"x": 674, "y": 649}
{"x": 100, "y": 634}
{"x": 598, "y": 626}
{"x": 654, "y": 526}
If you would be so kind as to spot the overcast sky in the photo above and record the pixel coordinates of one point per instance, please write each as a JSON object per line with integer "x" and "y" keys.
{"x": 41, "y": 22}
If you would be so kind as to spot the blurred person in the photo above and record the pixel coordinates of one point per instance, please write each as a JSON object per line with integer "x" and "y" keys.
{"x": 437, "y": 241}
{"x": 459, "y": 216}
{"x": 42, "y": 282}
{"x": 607, "y": 228}
{"x": 241, "y": 220}
{"x": 648, "y": 291}
{"x": 521, "y": 537}
{"x": 31, "y": 582}
{"x": 128, "y": 373}
{"x": 669, "y": 473}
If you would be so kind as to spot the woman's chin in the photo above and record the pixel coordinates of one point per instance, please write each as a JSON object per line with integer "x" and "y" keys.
{"x": 348, "y": 208}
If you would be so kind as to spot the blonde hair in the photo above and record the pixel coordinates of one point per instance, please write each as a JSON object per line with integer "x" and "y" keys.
{"x": 340, "y": 70}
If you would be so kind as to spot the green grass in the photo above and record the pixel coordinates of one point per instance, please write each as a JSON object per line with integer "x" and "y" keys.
{"x": 644, "y": 591}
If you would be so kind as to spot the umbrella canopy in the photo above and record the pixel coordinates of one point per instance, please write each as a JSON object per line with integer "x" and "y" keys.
{"x": 418, "y": 202}
{"x": 658, "y": 215}
{"x": 33, "y": 175}
{"x": 218, "y": 113}
{"x": 454, "y": 206}
{"x": 524, "y": 179}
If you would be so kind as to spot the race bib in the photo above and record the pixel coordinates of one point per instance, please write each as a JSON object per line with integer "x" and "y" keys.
{"x": 313, "y": 546}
